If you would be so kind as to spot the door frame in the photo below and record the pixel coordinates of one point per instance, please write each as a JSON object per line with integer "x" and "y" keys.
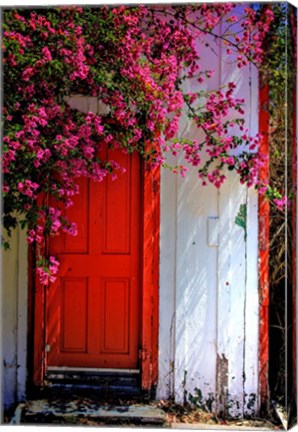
{"x": 263, "y": 240}
{"x": 149, "y": 307}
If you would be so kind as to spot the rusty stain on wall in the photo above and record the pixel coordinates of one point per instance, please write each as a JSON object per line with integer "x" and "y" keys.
{"x": 222, "y": 370}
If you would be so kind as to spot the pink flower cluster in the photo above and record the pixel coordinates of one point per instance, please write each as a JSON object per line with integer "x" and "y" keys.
{"x": 35, "y": 234}
{"x": 27, "y": 187}
{"x": 47, "y": 271}
{"x": 281, "y": 203}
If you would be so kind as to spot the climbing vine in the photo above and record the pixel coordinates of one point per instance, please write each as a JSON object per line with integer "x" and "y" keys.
{"x": 279, "y": 71}
{"x": 134, "y": 60}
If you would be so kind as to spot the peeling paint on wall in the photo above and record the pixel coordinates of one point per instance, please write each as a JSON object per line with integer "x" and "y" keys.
{"x": 222, "y": 372}
{"x": 14, "y": 320}
{"x": 209, "y": 277}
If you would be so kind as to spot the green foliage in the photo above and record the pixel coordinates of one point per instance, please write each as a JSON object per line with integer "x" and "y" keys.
{"x": 241, "y": 219}
{"x": 279, "y": 71}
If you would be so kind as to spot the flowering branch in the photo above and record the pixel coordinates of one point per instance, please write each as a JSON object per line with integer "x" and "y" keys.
{"x": 134, "y": 60}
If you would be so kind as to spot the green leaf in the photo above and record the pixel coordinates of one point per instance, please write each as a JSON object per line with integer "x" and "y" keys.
{"x": 241, "y": 219}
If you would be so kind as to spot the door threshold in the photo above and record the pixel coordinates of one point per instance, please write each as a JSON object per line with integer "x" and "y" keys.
{"x": 61, "y": 369}
{"x": 102, "y": 381}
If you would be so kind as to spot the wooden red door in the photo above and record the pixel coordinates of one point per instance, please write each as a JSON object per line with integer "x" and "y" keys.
{"x": 93, "y": 309}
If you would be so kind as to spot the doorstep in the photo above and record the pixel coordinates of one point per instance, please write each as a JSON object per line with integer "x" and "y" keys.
{"x": 61, "y": 411}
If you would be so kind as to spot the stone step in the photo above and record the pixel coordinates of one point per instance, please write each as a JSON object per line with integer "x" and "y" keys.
{"x": 68, "y": 411}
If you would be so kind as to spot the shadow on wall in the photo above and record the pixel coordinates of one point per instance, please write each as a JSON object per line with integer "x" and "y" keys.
{"x": 211, "y": 289}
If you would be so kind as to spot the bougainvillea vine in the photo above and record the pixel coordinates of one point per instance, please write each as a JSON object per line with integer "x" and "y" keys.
{"x": 134, "y": 60}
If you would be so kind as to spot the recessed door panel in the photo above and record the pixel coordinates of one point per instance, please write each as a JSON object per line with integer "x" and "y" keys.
{"x": 115, "y": 313}
{"x": 73, "y": 317}
{"x": 117, "y": 220}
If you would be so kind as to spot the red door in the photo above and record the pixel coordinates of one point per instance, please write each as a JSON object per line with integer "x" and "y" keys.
{"x": 93, "y": 311}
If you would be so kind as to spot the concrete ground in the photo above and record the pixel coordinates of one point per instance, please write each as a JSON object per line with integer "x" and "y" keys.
{"x": 87, "y": 412}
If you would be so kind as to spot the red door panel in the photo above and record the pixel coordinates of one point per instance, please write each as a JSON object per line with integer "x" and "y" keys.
{"x": 93, "y": 307}
{"x": 73, "y": 314}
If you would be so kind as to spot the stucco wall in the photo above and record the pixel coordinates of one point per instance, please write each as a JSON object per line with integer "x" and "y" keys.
{"x": 208, "y": 336}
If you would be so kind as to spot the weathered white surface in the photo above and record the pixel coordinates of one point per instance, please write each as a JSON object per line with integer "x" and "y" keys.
{"x": 167, "y": 293}
{"x": 208, "y": 338}
{"x": 14, "y": 319}
{"x": 9, "y": 322}
{"x": 140, "y": 414}
{"x": 252, "y": 293}
{"x": 231, "y": 297}
{"x": 22, "y": 317}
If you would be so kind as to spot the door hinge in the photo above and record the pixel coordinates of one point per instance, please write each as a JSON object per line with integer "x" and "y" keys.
{"x": 48, "y": 348}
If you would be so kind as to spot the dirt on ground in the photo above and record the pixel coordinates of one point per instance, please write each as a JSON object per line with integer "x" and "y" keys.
{"x": 175, "y": 414}
{"x": 189, "y": 415}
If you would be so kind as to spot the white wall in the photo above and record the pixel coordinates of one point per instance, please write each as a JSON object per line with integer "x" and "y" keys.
{"x": 14, "y": 319}
{"x": 208, "y": 336}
